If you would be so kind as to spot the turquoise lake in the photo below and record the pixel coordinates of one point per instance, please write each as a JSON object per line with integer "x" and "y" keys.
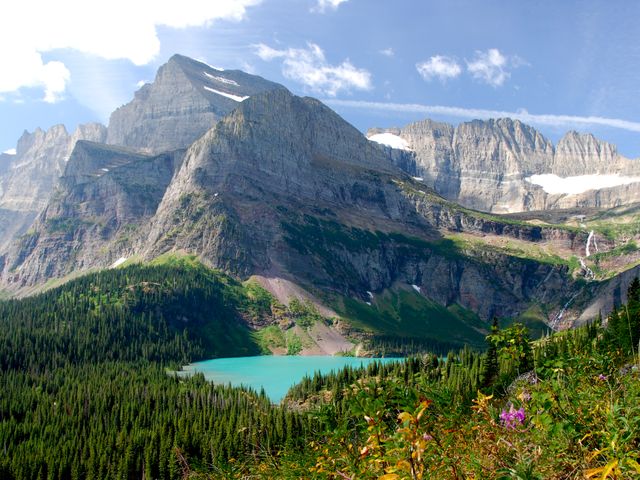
{"x": 276, "y": 374}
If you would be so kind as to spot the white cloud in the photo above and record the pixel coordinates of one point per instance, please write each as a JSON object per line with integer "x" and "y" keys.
{"x": 11, "y": 151}
{"x": 119, "y": 29}
{"x": 310, "y": 67}
{"x": 492, "y": 67}
{"x": 439, "y": 66}
{"x": 387, "y": 52}
{"x": 564, "y": 121}
{"x": 323, "y": 5}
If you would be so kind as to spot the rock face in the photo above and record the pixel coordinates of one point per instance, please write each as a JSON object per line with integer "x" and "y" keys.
{"x": 284, "y": 188}
{"x": 486, "y": 165}
{"x": 184, "y": 101}
{"x": 29, "y": 179}
{"x": 104, "y": 197}
{"x": 280, "y": 186}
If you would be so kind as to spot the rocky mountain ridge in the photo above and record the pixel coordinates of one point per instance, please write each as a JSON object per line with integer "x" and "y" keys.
{"x": 283, "y": 188}
{"x": 185, "y": 100}
{"x": 30, "y": 175}
{"x": 493, "y": 165}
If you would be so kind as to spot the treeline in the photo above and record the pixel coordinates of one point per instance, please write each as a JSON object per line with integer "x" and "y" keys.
{"x": 125, "y": 420}
{"x": 86, "y": 389}
{"x": 155, "y": 313}
{"x": 399, "y": 346}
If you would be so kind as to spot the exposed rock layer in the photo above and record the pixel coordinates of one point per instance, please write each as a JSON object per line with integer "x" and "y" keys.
{"x": 185, "y": 100}
{"x": 485, "y": 165}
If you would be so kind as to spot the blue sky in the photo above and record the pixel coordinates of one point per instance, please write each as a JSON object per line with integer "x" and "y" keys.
{"x": 558, "y": 65}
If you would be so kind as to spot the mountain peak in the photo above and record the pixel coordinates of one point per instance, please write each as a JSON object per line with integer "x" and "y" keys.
{"x": 185, "y": 100}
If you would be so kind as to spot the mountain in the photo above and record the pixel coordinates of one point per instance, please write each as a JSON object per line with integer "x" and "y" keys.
{"x": 102, "y": 199}
{"x": 185, "y": 100}
{"x": 285, "y": 190}
{"x": 29, "y": 176}
{"x": 505, "y": 166}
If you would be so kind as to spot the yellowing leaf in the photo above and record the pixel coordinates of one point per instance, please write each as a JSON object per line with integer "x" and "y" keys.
{"x": 389, "y": 476}
{"x": 608, "y": 469}
{"x": 405, "y": 417}
{"x": 592, "y": 472}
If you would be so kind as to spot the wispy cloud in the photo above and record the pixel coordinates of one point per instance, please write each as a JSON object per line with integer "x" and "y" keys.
{"x": 563, "y": 121}
{"x": 439, "y": 66}
{"x": 309, "y": 66}
{"x": 324, "y": 5}
{"x": 387, "y": 52}
{"x": 492, "y": 66}
{"x": 41, "y": 27}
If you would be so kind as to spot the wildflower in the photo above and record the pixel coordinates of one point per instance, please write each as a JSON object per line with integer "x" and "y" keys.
{"x": 512, "y": 418}
{"x": 602, "y": 377}
{"x": 427, "y": 437}
{"x": 524, "y": 396}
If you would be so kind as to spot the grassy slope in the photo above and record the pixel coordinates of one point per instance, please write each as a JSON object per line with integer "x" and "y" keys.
{"x": 407, "y": 314}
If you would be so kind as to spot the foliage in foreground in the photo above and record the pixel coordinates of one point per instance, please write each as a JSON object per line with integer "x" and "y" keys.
{"x": 84, "y": 393}
{"x": 575, "y": 415}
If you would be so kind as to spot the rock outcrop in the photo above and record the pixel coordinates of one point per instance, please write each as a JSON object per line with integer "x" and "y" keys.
{"x": 185, "y": 100}
{"x": 488, "y": 165}
{"x": 103, "y": 199}
{"x": 29, "y": 179}
{"x": 280, "y": 186}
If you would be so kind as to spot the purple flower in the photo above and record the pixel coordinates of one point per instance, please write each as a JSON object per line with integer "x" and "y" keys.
{"x": 427, "y": 437}
{"x": 512, "y": 418}
{"x": 602, "y": 377}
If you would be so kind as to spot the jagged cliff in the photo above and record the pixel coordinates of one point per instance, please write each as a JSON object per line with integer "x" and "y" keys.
{"x": 104, "y": 197}
{"x": 284, "y": 188}
{"x": 491, "y": 165}
{"x": 30, "y": 175}
{"x": 281, "y": 187}
{"x": 184, "y": 101}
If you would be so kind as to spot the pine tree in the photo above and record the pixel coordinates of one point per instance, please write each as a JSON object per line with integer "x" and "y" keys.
{"x": 490, "y": 366}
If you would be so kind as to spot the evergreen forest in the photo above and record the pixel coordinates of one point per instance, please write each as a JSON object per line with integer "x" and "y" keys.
{"x": 89, "y": 390}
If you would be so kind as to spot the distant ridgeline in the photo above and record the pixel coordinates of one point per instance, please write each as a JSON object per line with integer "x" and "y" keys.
{"x": 87, "y": 393}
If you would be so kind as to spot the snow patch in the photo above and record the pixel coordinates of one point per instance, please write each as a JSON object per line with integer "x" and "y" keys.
{"x": 219, "y": 69}
{"x": 237, "y": 98}
{"x": 104, "y": 169}
{"x": 119, "y": 262}
{"x": 554, "y": 184}
{"x": 11, "y": 151}
{"x": 370, "y": 294}
{"x": 419, "y": 179}
{"x": 416, "y": 288}
{"x": 222, "y": 79}
{"x": 390, "y": 140}
{"x": 368, "y": 303}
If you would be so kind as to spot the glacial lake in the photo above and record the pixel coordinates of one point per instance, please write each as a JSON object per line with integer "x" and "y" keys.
{"x": 276, "y": 374}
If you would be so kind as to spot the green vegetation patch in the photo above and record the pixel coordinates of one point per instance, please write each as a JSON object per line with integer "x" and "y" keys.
{"x": 268, "y": 338}
{"x": 406, "y": 314}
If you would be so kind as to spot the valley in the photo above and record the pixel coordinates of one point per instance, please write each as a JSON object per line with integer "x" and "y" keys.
{"x": 454, "y": 308}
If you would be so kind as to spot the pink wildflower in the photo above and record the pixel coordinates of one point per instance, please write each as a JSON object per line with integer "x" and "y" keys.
{"x": 512, "y": 418}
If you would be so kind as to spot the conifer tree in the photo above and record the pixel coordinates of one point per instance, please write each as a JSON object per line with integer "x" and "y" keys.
{"x": 490, "y": 367}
